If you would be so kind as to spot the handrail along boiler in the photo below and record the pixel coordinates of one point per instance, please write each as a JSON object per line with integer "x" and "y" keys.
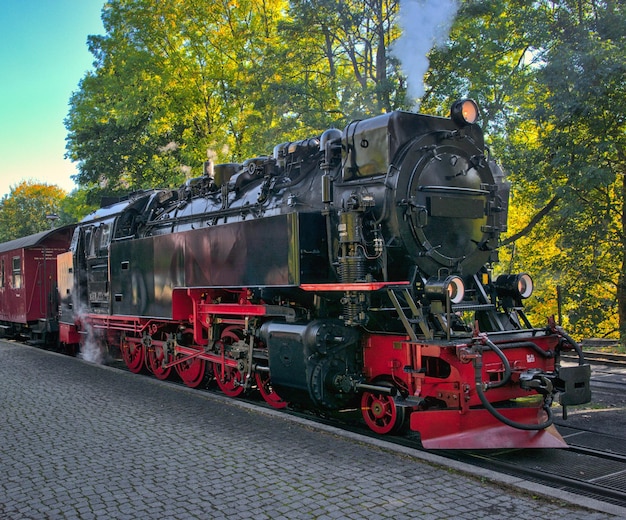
{"x": 351, "y": 269}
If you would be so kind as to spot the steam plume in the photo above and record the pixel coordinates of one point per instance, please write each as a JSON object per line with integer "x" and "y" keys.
{"x": 424, "y": 24}
{"x": 91, "y": 349}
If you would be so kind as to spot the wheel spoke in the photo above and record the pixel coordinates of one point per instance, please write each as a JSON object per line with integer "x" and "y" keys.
{"x": 133, "y": 354}
{"x": 267, "y": 392}
{"x": 192, "y": 372}
{"x": 381, "y": 413}
{"x": 155, "y": 357}
{"x": 230, "y": 381}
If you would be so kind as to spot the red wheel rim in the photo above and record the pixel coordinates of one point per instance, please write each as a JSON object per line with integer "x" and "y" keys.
{"x": 192, "y": 372}
{"x": 133, "y": 355}
{"x": 381, "y": 413}
{"x": 155, "y": 357}
{"x": 267, "y": 392}
{"x": 229, "y": 379}
{"x": 230, "y": 382}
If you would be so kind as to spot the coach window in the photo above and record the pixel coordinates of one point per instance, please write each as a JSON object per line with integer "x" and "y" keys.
{"x": 17, "y": 272}
{"x": 2, "y": 273}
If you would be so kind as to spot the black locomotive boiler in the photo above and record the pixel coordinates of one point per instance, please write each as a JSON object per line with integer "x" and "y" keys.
{"x": 347, "y": 270}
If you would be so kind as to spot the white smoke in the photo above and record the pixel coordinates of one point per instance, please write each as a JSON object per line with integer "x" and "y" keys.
{"x": 172, "y": 146}
{"x": 91, "y": 349}
{"x": 425, "y": 24}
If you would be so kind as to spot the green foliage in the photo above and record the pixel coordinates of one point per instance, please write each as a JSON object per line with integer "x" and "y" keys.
{"x": 572, "y": 146}
{"x": 77, "y": 205}
{"x": 343, "y": 49}
{"x": 549, "y": 78}
{"x": 177, "y": 80}
{"x": 25, "y": 210}
{"x": 174, "y": 80}
{"x": 491, "y": 57}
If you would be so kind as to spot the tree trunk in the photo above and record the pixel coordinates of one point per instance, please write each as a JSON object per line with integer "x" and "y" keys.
{"x": 621, "y": 280}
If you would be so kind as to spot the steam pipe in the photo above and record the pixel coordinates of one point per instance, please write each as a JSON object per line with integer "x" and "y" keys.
{"x": 387, "y": 390}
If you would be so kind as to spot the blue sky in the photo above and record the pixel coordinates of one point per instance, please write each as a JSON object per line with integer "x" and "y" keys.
{"x": 43, "y": 56}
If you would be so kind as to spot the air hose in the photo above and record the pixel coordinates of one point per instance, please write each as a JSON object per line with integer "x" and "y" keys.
{"x": 505, "y": 362}
{"x": 507, "y": 375}
{"x": 573, "y": 343}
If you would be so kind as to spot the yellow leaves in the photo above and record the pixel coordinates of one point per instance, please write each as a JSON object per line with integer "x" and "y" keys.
{"x": 23, "y": 212}
{"x": 35, "y": 190}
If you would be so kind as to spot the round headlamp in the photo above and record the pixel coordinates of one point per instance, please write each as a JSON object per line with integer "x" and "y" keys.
{"x": 451, "y": 287}
{"x": 516, "y": 285}
{"x": 464, "y": 112}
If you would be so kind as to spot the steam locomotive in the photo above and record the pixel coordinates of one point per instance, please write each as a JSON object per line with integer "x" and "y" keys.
{"x": 349, "y": 270}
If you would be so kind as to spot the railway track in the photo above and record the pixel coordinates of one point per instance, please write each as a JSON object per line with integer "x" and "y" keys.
{"x": 608, "y": 370}
{"x": 595, "y": 463}
{"x": 593, "y": 466}
{"x": 584, "y": 469}
{"x": 598, "y": 358}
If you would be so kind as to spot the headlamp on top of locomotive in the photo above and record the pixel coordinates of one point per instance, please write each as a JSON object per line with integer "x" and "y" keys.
{"x": 464, "y": 112}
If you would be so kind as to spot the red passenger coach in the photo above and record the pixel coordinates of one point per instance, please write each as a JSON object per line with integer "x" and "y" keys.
{"x": 28, "y": 284}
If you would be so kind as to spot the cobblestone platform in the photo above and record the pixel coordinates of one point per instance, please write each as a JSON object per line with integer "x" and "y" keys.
{"x": 82, "y": 441}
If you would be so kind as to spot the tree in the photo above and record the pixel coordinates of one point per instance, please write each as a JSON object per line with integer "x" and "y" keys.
{"x": 25, "y": 209}
{"x": 491, "y": 56}
{"x": 76, "y": 205}
{"x": 172, "y": 80}
{"x": 583, "y": 132}
{"x": 569, "y": 158}
{"x": 549, "y": 78}
{"x": 345, "y": 47}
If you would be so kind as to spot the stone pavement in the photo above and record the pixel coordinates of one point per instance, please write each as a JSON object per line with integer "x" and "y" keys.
{"x": 82, "y": 441}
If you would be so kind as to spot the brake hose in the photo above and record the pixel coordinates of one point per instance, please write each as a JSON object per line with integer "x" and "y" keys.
{"x": 490, "y": 408}
{"x": 507, "y": 366}
{"x": 574, "y": 344}
{"x": 520, "y": 426}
